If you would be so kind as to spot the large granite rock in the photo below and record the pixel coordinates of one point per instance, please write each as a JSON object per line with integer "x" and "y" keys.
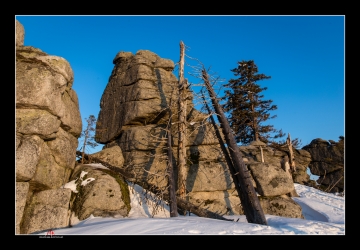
{"x": 99, "y": 192}
{"x": 47, "y": 210}
{"x": 20, "y": 33}
{"x": 327, "y": 161}
{"x": 138, "y": 91}
{"x": 48, "y": 125}
{"x": 49, "y": 174}
{"x": 132, "y": 117}
{"x": 252, "y": 153}
{"x": 22, "y": 189}
{"x": 281, "y": 206}
{"x": 27, "y": 156}
{"x": 111, "y": 155}
{"x": 63, "y": 148}
{"x": 37, "y": 122}
{"x": 271, "y": 180}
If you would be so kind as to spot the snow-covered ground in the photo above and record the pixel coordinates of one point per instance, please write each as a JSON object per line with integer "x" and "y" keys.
{"x": 324, "y": 215}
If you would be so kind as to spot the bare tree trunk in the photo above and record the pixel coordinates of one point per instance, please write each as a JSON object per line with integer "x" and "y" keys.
{"x": 224, "y": 150}
{"x": 286, "y": 167}
{"x": 83, "y": 149}
{"x": 181, "y": 203}
{"x": 170, "y": 170}
{"x": 262, "y": 154}
{"x": 291, "y": 154}
{"x": 292, "y": 169}
{"x": 182, "y": 174}
{"x": 248, "y": 196}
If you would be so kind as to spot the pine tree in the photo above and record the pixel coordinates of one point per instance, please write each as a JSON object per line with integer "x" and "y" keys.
{"x": 88, "y": 135}
{"x": 248, "y": 110}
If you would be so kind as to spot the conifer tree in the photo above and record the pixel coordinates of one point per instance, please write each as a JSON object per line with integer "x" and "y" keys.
{"x": 88, "y": 135}
{"x": 248, "y": 110}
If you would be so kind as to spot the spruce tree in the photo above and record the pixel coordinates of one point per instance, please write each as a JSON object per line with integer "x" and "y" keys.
{"x": 247, "y": 108}
{"x": 88, "y": 135}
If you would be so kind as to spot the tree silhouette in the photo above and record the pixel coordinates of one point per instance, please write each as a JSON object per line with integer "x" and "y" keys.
{"x": 89, "y": 135}
{"x": 248, "y": 110}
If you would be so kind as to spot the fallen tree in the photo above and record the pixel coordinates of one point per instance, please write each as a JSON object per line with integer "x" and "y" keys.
{"x": 181, "y": 203}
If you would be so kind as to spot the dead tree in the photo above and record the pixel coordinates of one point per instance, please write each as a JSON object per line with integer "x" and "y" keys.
{"x": 286, "y": 167}
{"x": 224, "y": 150}
{"x": 262, "y": 154}
{"x": 182, "y": 172}
{"x": 248, "y": 196}
{"x": 291, "y": 154}
{"x": 170, "y": 170}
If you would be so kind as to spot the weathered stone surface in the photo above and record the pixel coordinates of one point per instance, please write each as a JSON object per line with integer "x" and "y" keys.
{"x": 149, "y": 137}
{"x": 48, "y": 174}
{"x": 139, "y": 72}
{"x": 281, "y": 206}
{"x": 18, "y": 139}
{"x": 333, "y": 181}
{"x": 327, "y": 162}
{"x": 122, "y": 55}
{"x": 142, "y": 137}
{"x": 201, "y": 133}
{"x": 270, "y": 180}
{"x": 71, "y": 120}
{"x": 140, "y": 158}
{"x": 224, "y": 202}
{"x": 227, "y": 202}
{"x": 22, "y": 189}
{"x": 20, "y": 33}
{"x": 204, "y": 153}
{"x": 111, "y": 155}
{"x": 142, "y": 83}
{"x": 148, "y": 165}
{"x": 321, "y": 150}
{"x": 302, "y": 159}
{"x": 209, "y": 176}
{"x": 37, "y": 122}
{"x": 41, "y": 80}
{"x": 48, "y": 124}
{"x": 301, "y": 177}
{"x": 323, "y": 168}
{"x": 151, "y": 56}
{"x": 27, "y": 157}
{"x": 48, "y": 209}
{"x": 100, "y": 193}
{"x": 166, "y": 64}
{"x": 63, "y": 148}
{"x": 273, "y": 156}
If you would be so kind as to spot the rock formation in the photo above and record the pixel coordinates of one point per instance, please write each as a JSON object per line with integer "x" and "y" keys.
{"x": 327, "y": 161}
{"x": 53, "y": 191}
{"x": 99, "y": 192}
{"x": 133, "y": 116}
{"x": 252, "y": 153}
{"x": 48, "y": 125}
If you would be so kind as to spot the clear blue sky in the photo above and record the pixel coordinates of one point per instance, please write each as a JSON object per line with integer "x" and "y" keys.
{"x": 304, "y": 55}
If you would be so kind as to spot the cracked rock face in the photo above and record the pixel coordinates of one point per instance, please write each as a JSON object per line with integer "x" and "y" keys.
{"x": 139, "y": 89}
{"x": 48, "y": 125}
{"x": 132, "y": 117}
{"x": 98, "y": 193}
{"x": 20, "y": 33}
{"x": 327, "y": 161}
